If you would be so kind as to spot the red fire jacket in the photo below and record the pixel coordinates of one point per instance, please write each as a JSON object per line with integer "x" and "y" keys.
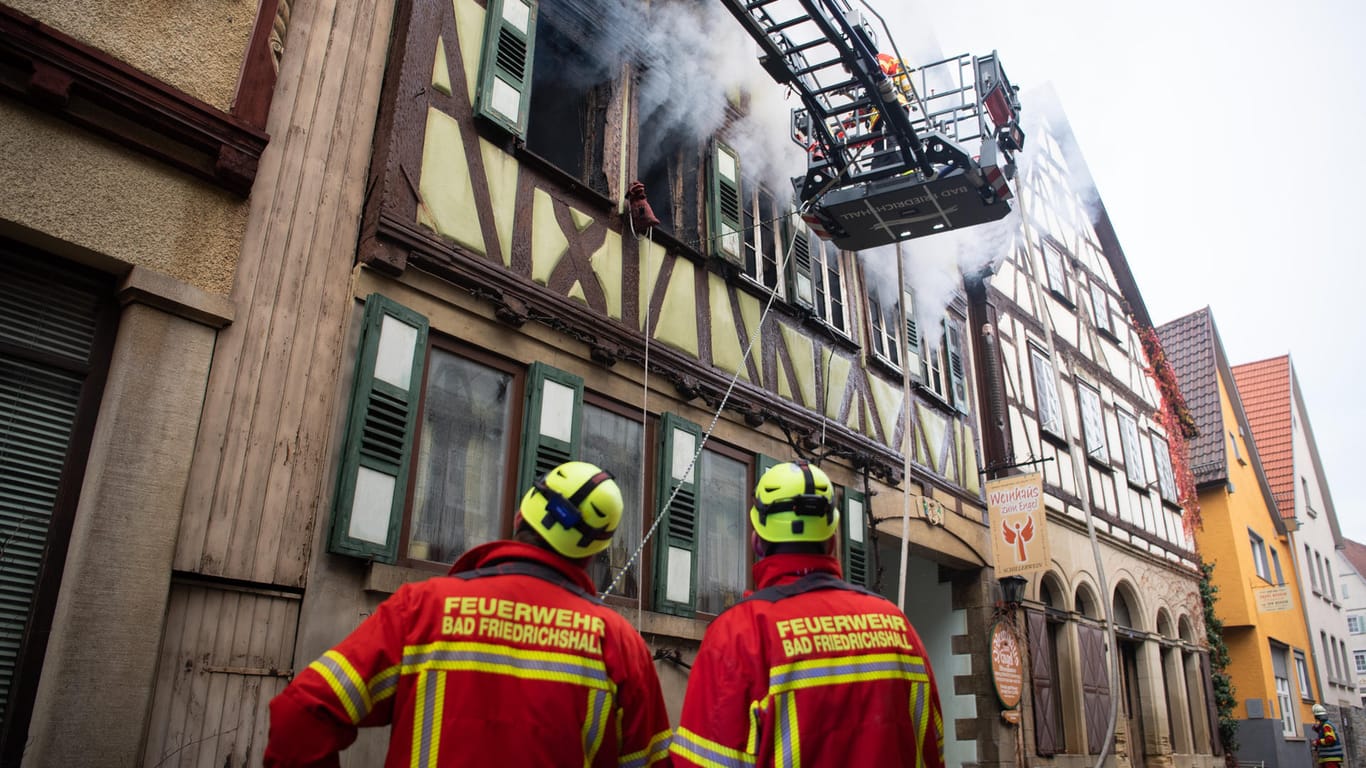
{"x": 830, "y": 676}
{"x": 506, "y": 661}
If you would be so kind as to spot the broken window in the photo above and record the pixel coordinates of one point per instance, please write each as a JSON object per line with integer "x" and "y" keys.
{"x": 571, "y": 89}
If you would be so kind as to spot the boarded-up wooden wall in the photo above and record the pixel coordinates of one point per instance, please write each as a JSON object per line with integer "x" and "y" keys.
{"x": 260, "y": 475}
{"x": 225, "y": 653}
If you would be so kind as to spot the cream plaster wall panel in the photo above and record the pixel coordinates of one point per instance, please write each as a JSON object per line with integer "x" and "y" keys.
{"x": 581, "y": 220}
{"x": 726, "y": 352}
{"x": 130, "y": 504}
{"x": 750, "y": 312}
{"x": 859, "y": 416}
{"x": 441, "y": 73}
{"x": 651, "y": 265}
{"x": 837, "y": 370}
{"x": 803, "y": 354}
{"x": 972, "y": 479}
{"x": 446, "y": 191}
{"x": 607, "y": 264}
{"x": 678, "y": 317}
{"x": 548, "y": 241}
{"x": 888, "y": 400}
{"x": 932, "y": 426}
{"x": 123, "y": 205}
{"x": 500, "y": 170}
{"x": 469, "y": 24}
{"x": 197, "y": 47}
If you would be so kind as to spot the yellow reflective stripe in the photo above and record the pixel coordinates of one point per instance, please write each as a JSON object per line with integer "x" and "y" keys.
{"x": 920, "y": 718}
{"x": 752, "y": 743}
{"x": 706, "y": 752}
{"x": 383, "y": 685}
{"x": 846, "y": 669}
{"x": 502, "y": 660}
{"x": 427, "y": 715}
{"x": 345, "y": 682}
{"x": 656, "y": 750}
{"x": 595, "y": 723}
{"x": 787, "y": 733}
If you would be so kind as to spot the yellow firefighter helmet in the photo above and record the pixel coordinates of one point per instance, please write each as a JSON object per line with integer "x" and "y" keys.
{"x": 794, "y": 501}
{"x": 576, "y": 508}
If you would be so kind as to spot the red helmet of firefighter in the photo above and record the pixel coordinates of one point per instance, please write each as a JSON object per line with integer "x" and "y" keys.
{"x": 515, "y": 629}
{"x": 805, "y": 650}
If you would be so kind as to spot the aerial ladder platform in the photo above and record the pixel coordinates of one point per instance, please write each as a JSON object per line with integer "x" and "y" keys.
{"x": 889, "y": 146}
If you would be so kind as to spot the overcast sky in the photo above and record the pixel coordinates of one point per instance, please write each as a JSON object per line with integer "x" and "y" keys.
{"x": 1223, "y": 139}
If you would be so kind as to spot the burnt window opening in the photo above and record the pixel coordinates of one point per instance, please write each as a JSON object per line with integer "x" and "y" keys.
{"x": 572, "y": 86}
{"x": 670, "y": 167}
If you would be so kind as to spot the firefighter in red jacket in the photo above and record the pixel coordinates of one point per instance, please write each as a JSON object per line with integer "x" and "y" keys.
{"x": 511, "y": 659}
{"x": 807, "y": 670}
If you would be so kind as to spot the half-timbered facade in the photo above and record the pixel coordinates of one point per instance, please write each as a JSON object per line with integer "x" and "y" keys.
{"x": 1062, "y": 335}
{"x": 442, "y": 291}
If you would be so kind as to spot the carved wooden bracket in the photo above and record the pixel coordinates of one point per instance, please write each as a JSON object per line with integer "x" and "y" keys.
{"x": 101, "y": 94}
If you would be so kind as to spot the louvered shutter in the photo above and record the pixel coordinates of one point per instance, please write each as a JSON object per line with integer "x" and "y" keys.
{"x": 857, "y": 569}
{"x": 800, "y": 282}
{"x": 913, "y": 357}
{"x": 1095, "y": 685}
{"x": 377, "y": 448}
{"x": 953, "y": 336}
{"x": 551, "y": 434}
{"x": 675, "y": 582}
{"x": 1046, "y": 725}
{"x": 1211, "y": 706}
{"x": 504, "y": 93}
{"x": 48, "y": 326}
{"x": 724, "y": 206}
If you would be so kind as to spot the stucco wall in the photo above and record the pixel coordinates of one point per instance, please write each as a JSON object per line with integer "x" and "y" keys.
{"x": 93, "y": 194}
{"x": 194, "y": 46}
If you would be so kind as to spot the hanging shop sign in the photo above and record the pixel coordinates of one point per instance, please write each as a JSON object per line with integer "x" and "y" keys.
{"x": 1019, "y": 530}
{"x": 1007, "y": 664}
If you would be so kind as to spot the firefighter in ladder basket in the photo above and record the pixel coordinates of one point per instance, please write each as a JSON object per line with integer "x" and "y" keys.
{"x": 808, "y": 670}
{"x": 510, "y": 660}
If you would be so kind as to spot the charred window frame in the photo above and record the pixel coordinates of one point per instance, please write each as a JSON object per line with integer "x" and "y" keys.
{"x": 572, "y": 88}
{"x": 670, "y": 168}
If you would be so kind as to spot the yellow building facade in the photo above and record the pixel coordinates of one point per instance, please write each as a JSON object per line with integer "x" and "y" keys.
{"x": 1245, "y": 540}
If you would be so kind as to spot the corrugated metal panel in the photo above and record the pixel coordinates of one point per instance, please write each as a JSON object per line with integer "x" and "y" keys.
{"x": 226, "y": 653}
{"x": 47, "y": 328}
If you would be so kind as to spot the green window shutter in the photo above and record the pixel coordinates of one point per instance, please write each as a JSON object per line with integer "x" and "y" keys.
{"x": 724, "y": 206}
{"x": 953, "y": 336}
{"x": 504, "y": 93}
{"x": 675, "y": 583}
{"x": 373, "y": 482}
{"x": 856, "y": 566}
{"x": 554, "y": 423}
{"x": 797, "y": 245}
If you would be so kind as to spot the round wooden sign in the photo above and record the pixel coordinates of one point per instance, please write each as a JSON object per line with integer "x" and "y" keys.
{"x": 1007, "y": 664}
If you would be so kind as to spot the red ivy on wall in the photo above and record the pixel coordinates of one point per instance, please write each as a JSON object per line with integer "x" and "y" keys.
{"x": 1178, "y": 422}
